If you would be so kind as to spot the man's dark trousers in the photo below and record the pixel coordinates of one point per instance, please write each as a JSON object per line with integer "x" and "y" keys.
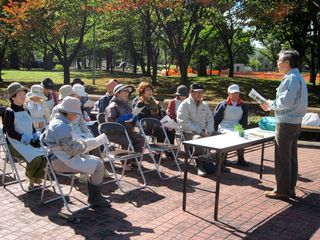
{"x": 286, "y": 157}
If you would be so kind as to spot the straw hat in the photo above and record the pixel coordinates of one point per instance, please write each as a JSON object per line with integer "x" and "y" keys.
{"x": 70, "y": 105}
{"x": 36, "y": 91}
{"x": 14, "y": 88}
{"x": 64, "y": 91}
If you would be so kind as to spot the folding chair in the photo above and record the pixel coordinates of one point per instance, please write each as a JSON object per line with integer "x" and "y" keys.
{"x": 8, "y": 159}
{"x": 101, "y": 118}
{"x": 147, "y": 127}
{"x": 115, "y": 130}
{"x": 52, "y": 174}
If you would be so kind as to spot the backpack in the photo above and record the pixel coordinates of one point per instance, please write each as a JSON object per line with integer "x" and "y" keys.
{"x": 267, "y": 123}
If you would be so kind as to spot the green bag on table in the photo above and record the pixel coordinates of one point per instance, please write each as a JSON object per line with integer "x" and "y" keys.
{"x": 267, "y": 123}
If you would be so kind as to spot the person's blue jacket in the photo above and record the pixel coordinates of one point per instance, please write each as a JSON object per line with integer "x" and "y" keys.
{"x": 291, "y": 100}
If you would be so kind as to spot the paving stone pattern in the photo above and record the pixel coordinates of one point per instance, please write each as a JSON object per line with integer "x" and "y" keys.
{"x": 156, "y": 212}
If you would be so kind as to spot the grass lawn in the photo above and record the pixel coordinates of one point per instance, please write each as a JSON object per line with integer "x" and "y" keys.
{"x": 216, "y": 86}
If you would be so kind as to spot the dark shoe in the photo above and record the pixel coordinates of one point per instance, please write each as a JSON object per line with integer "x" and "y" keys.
{"x": 275, "y": 195}
{"x": 242, "y": 162}
{"x": 292, "y": 193}
{"x": 95, "y": 198}
{"x": 225, "y": 169}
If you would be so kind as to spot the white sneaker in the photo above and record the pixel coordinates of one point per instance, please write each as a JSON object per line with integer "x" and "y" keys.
{"x": 30, "y": 183}
{"x": 201, "y": 173}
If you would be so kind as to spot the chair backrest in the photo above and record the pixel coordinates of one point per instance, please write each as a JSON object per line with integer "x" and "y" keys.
{"x": 114, "y": 130}
{"x": 101, "y": 118}
{"x": 150, "y": 127}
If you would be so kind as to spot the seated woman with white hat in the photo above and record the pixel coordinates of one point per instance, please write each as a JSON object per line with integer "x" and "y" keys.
{"x": 37, "y": 107}
{"x": 230, "y": 112}
{"x": 22, "y": 136}
{"x": 70, "y": 155}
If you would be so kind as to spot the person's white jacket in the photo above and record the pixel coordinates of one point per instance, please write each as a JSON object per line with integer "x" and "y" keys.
{"x": 195, "y": 118}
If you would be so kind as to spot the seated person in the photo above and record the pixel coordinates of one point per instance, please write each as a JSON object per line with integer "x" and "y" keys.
{"x": 81, "y": 94}
{"x": 51, "y": 96}
{"x": 229, "y": 113}
{"x": 22, "y": 136}
{"x": 37, "y": 107}
{"x": 120, "y": 111}
{"x": 196, "y": 120}
{"x": 69, "y": 154}
{"x": 64, "y": 91}
{"x": 151, "y": 109}
{"x": 181, "y": 94}
{"x": 105, "y": 100}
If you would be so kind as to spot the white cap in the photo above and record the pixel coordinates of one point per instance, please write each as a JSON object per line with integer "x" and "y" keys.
{"x": 233, "y": 88}
{"x": 79, "y": 90}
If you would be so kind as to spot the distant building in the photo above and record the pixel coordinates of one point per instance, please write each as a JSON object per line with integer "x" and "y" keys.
{"x": 239, "y": 67}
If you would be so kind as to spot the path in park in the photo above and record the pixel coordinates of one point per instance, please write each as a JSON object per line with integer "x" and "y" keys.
{"x": 155, "y": 213}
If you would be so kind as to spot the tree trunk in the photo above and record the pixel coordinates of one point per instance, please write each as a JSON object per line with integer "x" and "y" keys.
{"x": 231, "y": 63}
{"x": 202, "y": 69}
{"x": 48, "y": 61}
{"x": 14, "y": 61}
{"x": 66, "y": 73}
{"x": 155, "y": 67}
{"x": 184, "y": 73}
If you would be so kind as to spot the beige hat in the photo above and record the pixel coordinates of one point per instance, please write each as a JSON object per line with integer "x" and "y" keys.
{"x": 36, "y": 91}
{"x": 64, "y": 91}
{"x": 14, "y": 88}
{"x": 79, "y": 90}
{"x": 70, "y": 105}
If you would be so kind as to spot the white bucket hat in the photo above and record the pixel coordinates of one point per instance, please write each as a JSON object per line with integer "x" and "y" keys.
{"x": 79, "y": 90}
{"x": 118, "y": 88}
{"x": 36, "y": 91}
{"x": 64, "y": 91}
{"x": 70, "y": 105}
{"x": 233, "y": 88}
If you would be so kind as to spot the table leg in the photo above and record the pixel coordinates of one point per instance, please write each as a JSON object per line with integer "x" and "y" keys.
{"x": 262, "y": 158}
{"x": 218, "y": 173}
{"x": 185, "y": 178}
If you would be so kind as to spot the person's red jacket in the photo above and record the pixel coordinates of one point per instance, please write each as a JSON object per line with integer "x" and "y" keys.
{"x": 171, "y": 109}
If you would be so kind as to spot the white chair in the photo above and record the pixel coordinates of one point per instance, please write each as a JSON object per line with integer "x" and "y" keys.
{"x": 115, "y": 130}
{"x": 52, "y": 174}
{"x": 8, "y": 159}
{"x": 149, "y": 128}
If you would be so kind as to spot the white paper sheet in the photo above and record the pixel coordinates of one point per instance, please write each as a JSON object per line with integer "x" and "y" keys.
{"x": 169, "y": 122}
{"x": 257, "y": 96}
{"x": 93, "y": 143}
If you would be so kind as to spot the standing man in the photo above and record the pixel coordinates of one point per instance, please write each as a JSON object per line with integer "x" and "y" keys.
{"x": 104, "y": 101}
{"x": 289, "y": 107}
{"x": 195, "y": 119}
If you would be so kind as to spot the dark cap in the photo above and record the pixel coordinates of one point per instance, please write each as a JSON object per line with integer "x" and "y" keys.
{"x": 77, "y": 81}
{"x": 182, "y": 90}
{"x": 47, "y": 83}
{"x": 196, "y": 87}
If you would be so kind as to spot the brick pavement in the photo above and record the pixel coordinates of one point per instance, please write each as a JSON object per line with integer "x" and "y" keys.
{"x": 155, "y": 212}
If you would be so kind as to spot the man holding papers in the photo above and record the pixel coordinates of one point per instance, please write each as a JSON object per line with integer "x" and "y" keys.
{"x": 289, "y": 107}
